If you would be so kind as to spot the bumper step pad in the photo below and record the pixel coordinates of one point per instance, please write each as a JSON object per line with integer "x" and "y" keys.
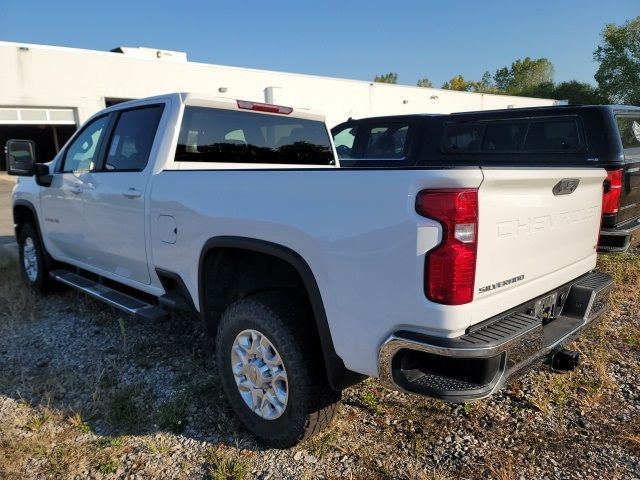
{"x": 438, "y": 382}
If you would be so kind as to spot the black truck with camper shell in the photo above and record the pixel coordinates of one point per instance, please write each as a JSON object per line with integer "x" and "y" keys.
{"x": 602, "y": 136}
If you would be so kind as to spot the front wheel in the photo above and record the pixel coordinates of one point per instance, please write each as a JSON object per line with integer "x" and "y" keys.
{"x": 32, "y": 259}
{"x": 279, "y": 394}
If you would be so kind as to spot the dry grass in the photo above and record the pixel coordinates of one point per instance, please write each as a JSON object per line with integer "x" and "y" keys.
{"x": 384, "y": 434}
{"x": 16, "y": 302}
{"x": 625, "y": 270}
{"x": 227, "y": 464}
{"x": 502, "y": 466}
{"x": 323, "y": 444}
{"x": 40, "y": 441}
{"x": 608, "y": 341}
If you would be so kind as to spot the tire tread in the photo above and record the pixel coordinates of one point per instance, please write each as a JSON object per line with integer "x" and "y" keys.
{"x": 321, "y": 402}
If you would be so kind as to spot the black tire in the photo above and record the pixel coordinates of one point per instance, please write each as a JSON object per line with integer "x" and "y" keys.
{"x": 311, "y": 403}
{"x": 40, "y": 282}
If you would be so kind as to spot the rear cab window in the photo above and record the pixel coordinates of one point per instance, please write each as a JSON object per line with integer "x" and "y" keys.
{"x": 378, "y": 143}
{"x": 220, "y": 136}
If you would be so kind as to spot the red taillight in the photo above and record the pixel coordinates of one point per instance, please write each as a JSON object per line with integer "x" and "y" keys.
{"x": 612, "y": 191}
{"x": 450, "y": 268}
{"x": 264, "y": 107}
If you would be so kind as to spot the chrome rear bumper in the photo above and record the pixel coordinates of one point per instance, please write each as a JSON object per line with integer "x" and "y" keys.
{"x": 490, "y": 354}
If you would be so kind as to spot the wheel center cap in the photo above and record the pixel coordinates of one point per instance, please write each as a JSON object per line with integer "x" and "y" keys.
{"x": 253, "y": 374}
{"x": 257, "y": 374}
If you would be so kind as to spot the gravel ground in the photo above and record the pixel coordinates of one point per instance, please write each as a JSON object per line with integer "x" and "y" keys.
{"x": 87, "y": 393}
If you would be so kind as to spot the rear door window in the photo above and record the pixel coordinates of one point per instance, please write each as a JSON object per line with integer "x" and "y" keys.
{"x": 229, "y": 136}
{"x": 132, "y": 139}
{"x": 504, "y": 137}
{"x": 553, "y": 136}
{"x": 462, "y": 138}
{"x": 386, "y": 142}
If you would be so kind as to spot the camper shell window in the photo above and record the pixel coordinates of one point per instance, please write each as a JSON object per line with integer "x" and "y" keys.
{"x": 534, "y": 135}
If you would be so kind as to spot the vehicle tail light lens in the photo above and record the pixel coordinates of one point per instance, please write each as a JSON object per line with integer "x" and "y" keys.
{"x": 264, "y": 107}
{"x": 612, "y": 192}
{"x": 450, "y": 268}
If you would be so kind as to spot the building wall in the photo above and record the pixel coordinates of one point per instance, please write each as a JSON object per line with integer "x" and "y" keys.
{"x": 45, "y": 76}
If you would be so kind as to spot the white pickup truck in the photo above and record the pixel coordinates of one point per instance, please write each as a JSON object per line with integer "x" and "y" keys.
{"x": 444, "y": 282}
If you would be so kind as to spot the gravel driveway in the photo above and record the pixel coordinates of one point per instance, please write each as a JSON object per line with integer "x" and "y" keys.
{"x": 87, "y": 393}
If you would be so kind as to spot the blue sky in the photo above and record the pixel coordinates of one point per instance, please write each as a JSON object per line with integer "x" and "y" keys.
{"x": 353, "y": 39}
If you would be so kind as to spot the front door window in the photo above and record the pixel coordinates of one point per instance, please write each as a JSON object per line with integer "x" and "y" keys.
{"x": 82, "y": 154}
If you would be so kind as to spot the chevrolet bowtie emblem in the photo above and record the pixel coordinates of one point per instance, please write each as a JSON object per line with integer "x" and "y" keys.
{"x": 566, "y": 186}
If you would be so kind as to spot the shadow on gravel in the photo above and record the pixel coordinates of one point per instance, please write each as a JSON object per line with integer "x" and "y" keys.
{"x": 72, "y": 354}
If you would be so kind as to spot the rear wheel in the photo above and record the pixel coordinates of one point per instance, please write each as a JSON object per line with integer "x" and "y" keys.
{"x": 279, "y": 394}
{"x": 32, "y": 259}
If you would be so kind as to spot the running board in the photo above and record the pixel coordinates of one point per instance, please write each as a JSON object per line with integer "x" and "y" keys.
{"x": 131, "y": 305}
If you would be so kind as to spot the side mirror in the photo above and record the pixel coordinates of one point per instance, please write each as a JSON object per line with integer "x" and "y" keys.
{"x": 21, "y": 158}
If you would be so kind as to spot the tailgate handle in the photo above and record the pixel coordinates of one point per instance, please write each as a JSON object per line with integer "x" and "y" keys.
{"x": 566, "y": 186}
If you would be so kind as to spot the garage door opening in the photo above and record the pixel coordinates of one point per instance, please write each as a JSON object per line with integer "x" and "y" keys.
{"x": 48, "y": 128}
{"x": 48, "y": 138}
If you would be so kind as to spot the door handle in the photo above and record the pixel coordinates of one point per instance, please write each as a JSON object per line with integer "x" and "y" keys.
{"x": 77, "y": 189}
{"x": 132, "y": 193}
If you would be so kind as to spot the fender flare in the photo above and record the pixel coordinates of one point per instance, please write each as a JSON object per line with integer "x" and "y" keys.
{"x": 25, "y": 203}
{"x": 338, "y": 375}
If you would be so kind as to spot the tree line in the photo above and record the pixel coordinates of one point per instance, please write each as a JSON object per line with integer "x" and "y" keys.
{"x": 617, "y": 77}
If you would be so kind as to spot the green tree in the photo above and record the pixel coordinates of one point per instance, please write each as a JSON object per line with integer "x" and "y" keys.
{"x": 485, "y": 85}
{"x": 542, "y": 90}
{"x": 523, "y": 74}
{"x": 458, "y": 83}
{"x": 425, "y": 82}
{"x": 577, "y": 93}
{"x": 618, "y": 75}
{"x": 580, "y": 93}
{"x": 386, "y": 78}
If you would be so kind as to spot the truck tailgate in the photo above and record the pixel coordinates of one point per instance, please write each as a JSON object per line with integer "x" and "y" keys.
{"x": 534, "y": 223}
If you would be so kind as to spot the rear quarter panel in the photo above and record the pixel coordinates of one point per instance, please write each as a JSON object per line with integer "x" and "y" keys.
{"x": 357, "y": 230}
{"x": 362, "y": 239}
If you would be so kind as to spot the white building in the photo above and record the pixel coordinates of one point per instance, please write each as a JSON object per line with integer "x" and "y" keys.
{"x": 46, "y": 91}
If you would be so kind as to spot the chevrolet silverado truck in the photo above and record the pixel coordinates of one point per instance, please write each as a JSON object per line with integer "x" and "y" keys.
{"x": 445, "y": 282}
{"x": 571, "y": 136}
